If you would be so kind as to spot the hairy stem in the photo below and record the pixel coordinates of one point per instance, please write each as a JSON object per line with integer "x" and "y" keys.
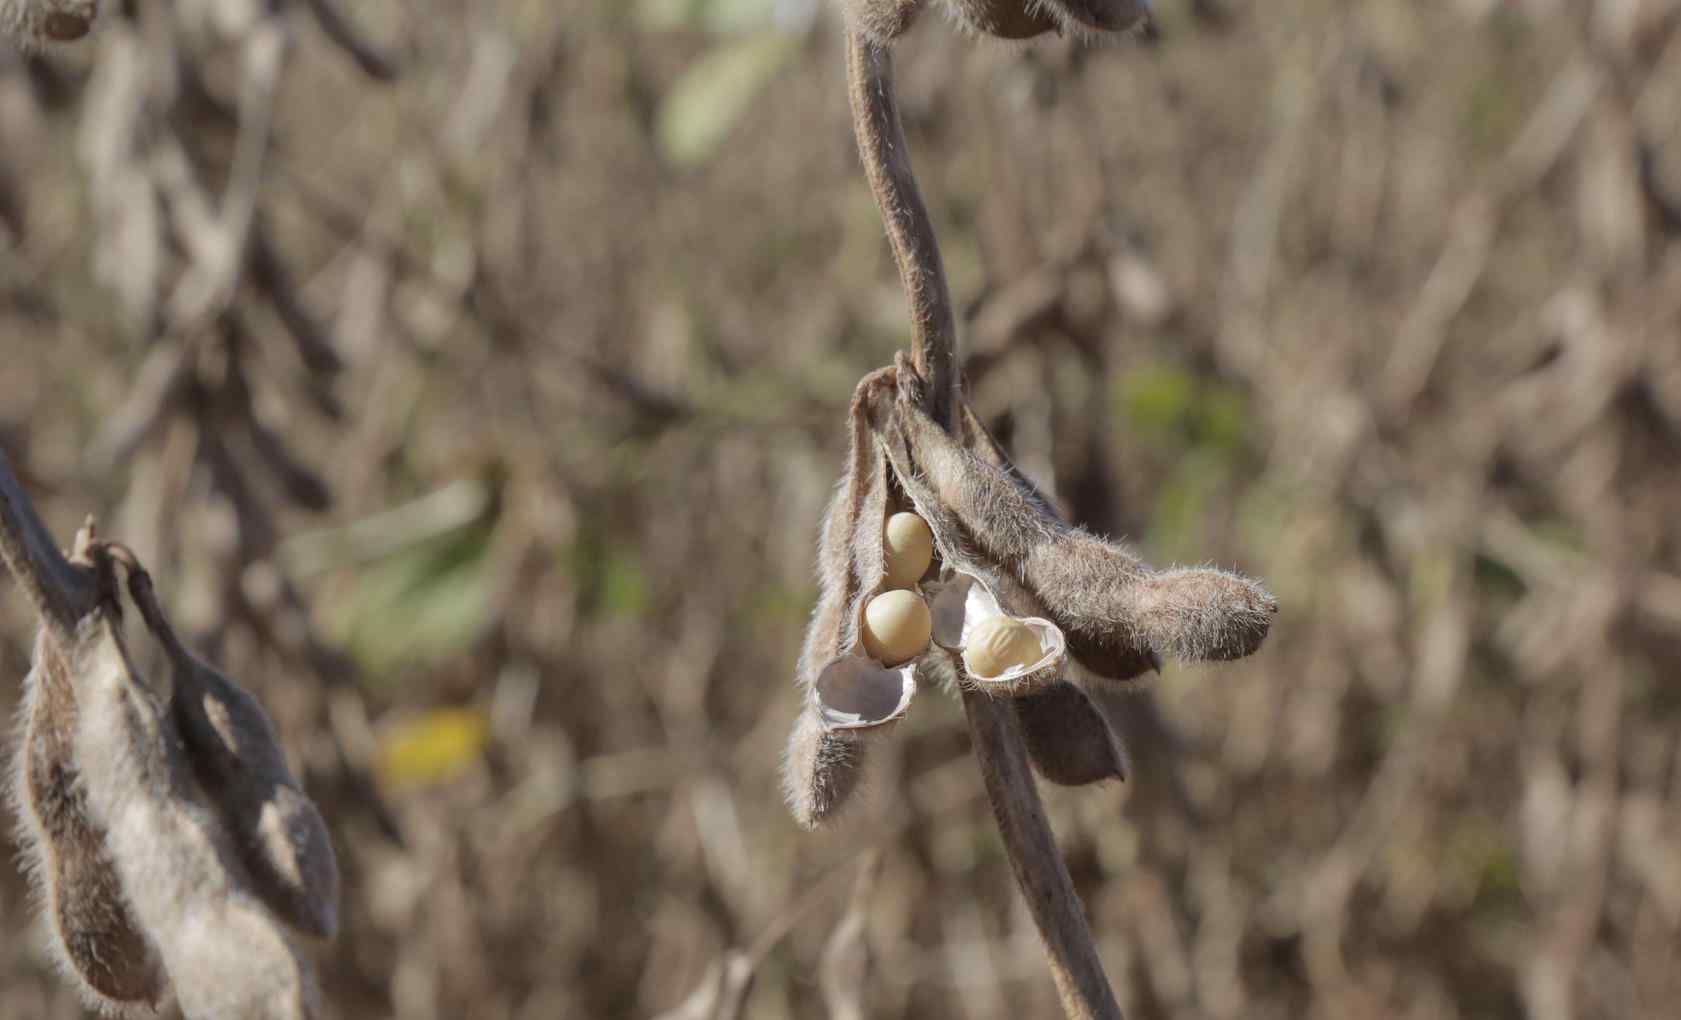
{"x": 61, "y": 592}
{"x": 993, "y": 728}
{"x": 887, "y": 164}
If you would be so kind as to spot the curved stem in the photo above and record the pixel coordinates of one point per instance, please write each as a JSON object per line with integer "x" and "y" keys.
{"x": 993, "y": 728}
{"x": 60, "y": 591}
{"x": 887, "y": 164}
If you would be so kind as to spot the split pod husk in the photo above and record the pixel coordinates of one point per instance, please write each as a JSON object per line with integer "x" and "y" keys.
{"x": 850, "y": 698}
{"x": 1068, "y": 738}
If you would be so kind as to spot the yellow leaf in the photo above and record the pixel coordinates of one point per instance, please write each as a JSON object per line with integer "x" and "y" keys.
{"x": 434, "y": 747}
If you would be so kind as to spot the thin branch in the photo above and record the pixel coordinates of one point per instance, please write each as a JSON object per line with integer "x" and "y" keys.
{"x": 887, "y": 164}
{"x": 1040, "y": 873}
{"x": 994, "y": 731}
{"x": 61, "y": 592}
{"x": 374, "y": 62}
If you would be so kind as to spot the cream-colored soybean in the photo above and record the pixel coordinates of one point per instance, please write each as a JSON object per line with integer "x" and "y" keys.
{"x": 897, "y": 626}
{"x": 910, "y": 549}
{"x": 999, "y": 644}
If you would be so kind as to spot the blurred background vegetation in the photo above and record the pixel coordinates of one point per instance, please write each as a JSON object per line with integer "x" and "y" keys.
{"x": 493, "y": 459}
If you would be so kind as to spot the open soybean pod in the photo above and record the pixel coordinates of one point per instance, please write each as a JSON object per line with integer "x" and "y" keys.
{"x": 94, "y": 936}
{"x": 237, "y": 759}
{"x": 1007, "y": 640}
{"x": 1120, "y": 615}
{"x": 851, "y": 696}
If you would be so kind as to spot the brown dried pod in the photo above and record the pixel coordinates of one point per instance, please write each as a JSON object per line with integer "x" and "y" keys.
{"x": 850, "y": 697}
{"x": 94, "y": 935}
{"x": 1023, "y": 19}
{"x": 1005, "y": 19}
{"x": 1118, "y": 613}
{"x": 226, "y": 954}
{"x": 1068, "y": 739}
{"x": 237, "y": 760}
{"x": 33, "y": 23}
{"x": 1068, "y": 736}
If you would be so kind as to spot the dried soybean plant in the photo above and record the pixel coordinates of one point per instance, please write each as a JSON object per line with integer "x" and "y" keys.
{"x": 940, "y": 562}
{"x": 174, "y": 854}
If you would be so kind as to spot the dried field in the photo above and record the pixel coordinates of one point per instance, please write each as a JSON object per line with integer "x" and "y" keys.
{"x": 496, "y": 468}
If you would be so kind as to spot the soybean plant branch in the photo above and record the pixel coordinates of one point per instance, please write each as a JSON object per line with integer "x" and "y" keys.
{"x": 994, "y": 730}
{"x": 61, "y": 592}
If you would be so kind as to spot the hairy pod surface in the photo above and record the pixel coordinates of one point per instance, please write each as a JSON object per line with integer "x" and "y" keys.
{"x": 94, "y": 936}
{"x": 225, "y": 953}
{"x": 1068, "y": 739}
{"x": 1068, "y": 736}
{"x": 882, "y": 21}
{"x": 1005, "y": 19}
{"x": 281, "y": 837}
{"x": 850, "y": 696}
{"x": 233, "y": 751}
{"x": 1119, "y": 614}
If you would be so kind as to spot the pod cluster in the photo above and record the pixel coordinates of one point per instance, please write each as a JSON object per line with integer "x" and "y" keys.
{"x": 174, "y": 854}
{"x": 1005, "y": 598}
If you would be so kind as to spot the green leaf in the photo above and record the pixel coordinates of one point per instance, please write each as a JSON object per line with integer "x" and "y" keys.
{"x": 706, "y": 103}
{"x": 428, "y": 602}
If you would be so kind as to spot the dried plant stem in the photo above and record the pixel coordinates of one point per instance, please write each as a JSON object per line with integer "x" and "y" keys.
{"x": 61, "y": 592}
{"x": 1036, "y": 861}
{"x": 994, "y": 730}
{"x": 887, "y": 163}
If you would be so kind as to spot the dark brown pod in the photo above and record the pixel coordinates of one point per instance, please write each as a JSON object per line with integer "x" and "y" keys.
{"x": 1067, "y": 738}
{"x": 1102, "y": 15}
{"x": 1005, "y": 19}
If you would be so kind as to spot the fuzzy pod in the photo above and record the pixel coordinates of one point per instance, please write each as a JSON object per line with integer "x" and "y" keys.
{"x": 1118, "y": 613}
{"x": 1099, "y": 15}
{"x": 34, "y": 23}
{"x": 238, "y": 762}
{"x": 849, "y": 697}
{"x": 281, "y": 837}
{"x": 881, "y": 21}
{"x": 95, "y": 938}
{"x": 226, "y": 954}
{"x": 1004, "y": 19}
{"x": 1069, "y": 740}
